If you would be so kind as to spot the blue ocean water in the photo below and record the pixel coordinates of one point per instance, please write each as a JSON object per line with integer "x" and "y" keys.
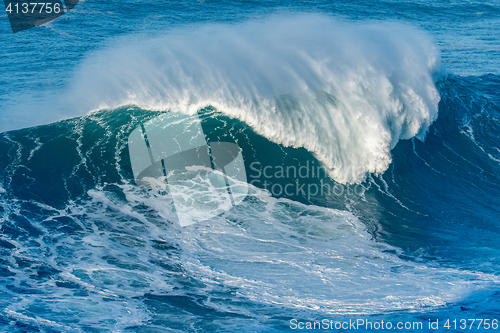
{"x": 398, "y": 101}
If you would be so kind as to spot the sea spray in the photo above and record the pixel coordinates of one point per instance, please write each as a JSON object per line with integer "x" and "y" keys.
{"x": 348, "y": 92}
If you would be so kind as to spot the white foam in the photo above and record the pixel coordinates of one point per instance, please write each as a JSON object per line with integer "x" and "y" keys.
{"x": 265, "y": 255}
{"x": 276, "y": 251}
{"x": 266, "y": 248}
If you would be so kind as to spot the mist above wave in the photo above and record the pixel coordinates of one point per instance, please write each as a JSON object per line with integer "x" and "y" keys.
{"x": 348, "y": 92}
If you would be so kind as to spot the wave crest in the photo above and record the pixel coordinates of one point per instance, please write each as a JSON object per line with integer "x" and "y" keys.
{"x": 348, "y": 92}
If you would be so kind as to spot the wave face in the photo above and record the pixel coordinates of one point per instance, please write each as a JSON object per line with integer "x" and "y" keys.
{"x": 79, "y": 235}
{"x": 348, "y": 92}
{"x": 443, "y": 192}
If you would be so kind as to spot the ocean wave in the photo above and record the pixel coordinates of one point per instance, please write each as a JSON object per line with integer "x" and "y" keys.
{"x": 348, "y": 92}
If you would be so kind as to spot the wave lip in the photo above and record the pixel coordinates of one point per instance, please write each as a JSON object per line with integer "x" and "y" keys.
{"x": 348, "y": 92}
